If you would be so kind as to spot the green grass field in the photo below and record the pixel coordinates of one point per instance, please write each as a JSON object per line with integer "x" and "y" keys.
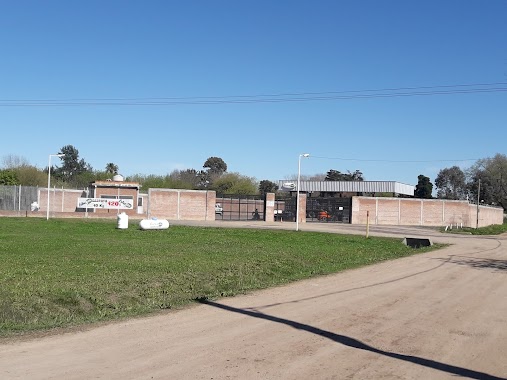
{"x": 62, "y": 273}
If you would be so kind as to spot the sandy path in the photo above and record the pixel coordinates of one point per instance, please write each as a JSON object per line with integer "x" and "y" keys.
{"x": 429, "y": 316}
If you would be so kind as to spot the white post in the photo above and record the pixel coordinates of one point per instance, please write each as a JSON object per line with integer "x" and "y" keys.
{"x": 86, "y": 209}
{"x": 49, "y": 184}
{"x": 297, "y": 191}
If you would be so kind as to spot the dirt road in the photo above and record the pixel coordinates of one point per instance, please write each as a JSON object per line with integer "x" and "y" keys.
{"x": 441, "y": 315}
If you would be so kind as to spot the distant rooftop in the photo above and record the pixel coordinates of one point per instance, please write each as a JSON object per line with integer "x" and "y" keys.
{"x": 109, "y": 183}
{"x": 347, "y": 187}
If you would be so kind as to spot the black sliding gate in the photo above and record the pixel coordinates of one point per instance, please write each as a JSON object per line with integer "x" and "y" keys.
{"x": 252, "y": 207}
{"x": 318, "y": 209}
{"x": 331, "y": 209}
{"x": 239, "y": 207}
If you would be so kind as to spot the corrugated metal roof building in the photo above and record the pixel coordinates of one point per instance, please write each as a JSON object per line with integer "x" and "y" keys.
{"x": 348, "y": 187}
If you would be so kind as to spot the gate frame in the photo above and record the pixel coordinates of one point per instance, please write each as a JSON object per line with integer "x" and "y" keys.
{"x": 232, "y": 209}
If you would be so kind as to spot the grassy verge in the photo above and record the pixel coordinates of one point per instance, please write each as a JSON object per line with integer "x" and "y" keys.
{"x": 69, "y": 272}
{"x": 495, "y": 229}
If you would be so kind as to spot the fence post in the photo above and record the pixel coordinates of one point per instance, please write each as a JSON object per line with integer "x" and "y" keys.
{"x": 19, "y": 199}
{"x": 14, "y": 198}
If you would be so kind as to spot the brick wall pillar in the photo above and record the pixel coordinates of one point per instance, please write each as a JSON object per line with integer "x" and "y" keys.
{"x": 211, "y": 199}
{"x": 269, "y": 209}
{"x": 302, "y": 208}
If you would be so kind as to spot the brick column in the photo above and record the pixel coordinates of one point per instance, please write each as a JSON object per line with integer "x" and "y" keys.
{"x": 302, "y": 207}
{"x": 211, "y": 199}
{"x": 269, "y": 207}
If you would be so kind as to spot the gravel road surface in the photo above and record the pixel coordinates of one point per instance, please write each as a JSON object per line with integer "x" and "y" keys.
{"x": 439, "y": 315}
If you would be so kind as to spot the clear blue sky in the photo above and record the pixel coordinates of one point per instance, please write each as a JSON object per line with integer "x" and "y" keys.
{"x": 82, "y": 52}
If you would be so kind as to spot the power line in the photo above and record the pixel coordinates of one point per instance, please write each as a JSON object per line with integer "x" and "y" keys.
{"x": 394, "y": 161}
{"x": 262, "y": 95}
{"x": 265, "y": 98}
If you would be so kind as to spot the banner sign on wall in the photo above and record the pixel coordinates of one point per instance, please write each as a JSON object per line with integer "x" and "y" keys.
{"x": 105, "y": 203}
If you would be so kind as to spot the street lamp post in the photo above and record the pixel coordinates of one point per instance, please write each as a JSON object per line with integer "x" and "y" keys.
{"x": 49, "y": 179}
{"x": 306, "y": 155}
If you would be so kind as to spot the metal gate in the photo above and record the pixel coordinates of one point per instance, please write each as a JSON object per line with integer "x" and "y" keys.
{"x": 239, "y": 207}
{"x": 329, "y": 209}
{"x": 285, "y": 209}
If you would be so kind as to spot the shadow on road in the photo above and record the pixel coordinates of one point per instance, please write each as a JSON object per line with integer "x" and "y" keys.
{"x": 354, "y": 343}
{"x": 479, "y": 263}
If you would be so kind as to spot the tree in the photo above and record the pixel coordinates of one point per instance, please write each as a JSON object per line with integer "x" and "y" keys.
{"x": 31, "y": 176}
{"x": 492, "y": 173}
{"x": 83, "y": 179}
{"x": 215, "y": 165}
{"x": 215, "y": 168}
{"x": 101, "y": 175}
{"x": 72, "y": 168}
{"x": 451, "y": 184}
{"x": 266, "y": 186}
{"x": 8, "y": 177}
{"x": 335, "y": 175}
{"x": 235, "y": 183}
{"x": 305, "y": 177}
{"x": 186, "y": 179}
{"x": 424, "y": 187}
{"x": 357, "y": 175}
{"x": 205, "y": 179}
{"x": 111, "y": 168}
{"x": 26, "y": 174}
{"x": 153, "y": 181}
{"x": 316, "y": 177}
{"x": 12, "y": 161}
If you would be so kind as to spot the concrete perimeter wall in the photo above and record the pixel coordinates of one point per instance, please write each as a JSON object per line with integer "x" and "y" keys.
{"x": 422, "y": 212}
{"x": 63, "y": 202}
{"x": 60, "y": 200}
{"x": 172, "y": 204}
{"x": 176, "y": 204}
